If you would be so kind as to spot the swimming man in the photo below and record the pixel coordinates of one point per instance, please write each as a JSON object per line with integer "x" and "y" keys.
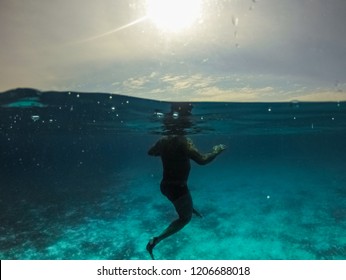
{"x": 175, "y": 152}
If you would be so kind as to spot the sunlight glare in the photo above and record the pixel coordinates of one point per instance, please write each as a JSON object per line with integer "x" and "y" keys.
{"x": 174, "y": 15}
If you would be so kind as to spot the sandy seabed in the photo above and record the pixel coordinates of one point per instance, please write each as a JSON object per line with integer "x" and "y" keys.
{"x": 252, "y": 210}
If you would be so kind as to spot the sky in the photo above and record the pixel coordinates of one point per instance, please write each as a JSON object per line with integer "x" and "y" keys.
{"x": 185, "y": 50}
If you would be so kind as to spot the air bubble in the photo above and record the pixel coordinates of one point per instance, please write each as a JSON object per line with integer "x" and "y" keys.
{"x": 35, "y": 118}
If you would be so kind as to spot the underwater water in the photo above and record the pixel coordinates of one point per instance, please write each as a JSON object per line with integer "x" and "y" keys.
{"x": 76, "y": 181}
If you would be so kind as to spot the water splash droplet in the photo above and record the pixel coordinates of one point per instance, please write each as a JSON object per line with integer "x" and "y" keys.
{"x": 235, "y": 20}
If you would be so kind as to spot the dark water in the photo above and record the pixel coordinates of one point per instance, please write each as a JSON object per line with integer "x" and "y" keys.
{"x": 76, "y": 181}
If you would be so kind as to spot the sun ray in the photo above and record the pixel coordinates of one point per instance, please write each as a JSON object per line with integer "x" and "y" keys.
{"x": 114, "y": 30}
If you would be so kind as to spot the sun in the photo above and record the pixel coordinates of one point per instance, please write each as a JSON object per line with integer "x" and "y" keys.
{"x": 174, "y": 15}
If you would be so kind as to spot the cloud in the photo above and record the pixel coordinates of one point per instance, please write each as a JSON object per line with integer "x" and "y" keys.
{"x": 322, "y": 95}
{"x": 183, "y": 82}
{"x": 236, "y": 88}
{"x": 136, "y": 83}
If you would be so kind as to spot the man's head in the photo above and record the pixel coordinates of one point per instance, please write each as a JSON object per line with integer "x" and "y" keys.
{"x": 177, "y": 121}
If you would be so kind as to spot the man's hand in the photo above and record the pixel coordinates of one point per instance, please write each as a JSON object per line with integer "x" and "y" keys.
{"x": 219, "y": 148}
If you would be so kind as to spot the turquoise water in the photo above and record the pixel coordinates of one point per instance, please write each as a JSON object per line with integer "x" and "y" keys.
{"x": 76, "y": 181}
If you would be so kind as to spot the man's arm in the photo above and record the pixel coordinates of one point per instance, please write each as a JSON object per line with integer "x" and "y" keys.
{"x": 200, "y": 158}
{"x": 156, "y": 149}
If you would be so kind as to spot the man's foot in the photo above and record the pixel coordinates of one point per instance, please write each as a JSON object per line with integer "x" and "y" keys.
{"x": 150, "y": 246}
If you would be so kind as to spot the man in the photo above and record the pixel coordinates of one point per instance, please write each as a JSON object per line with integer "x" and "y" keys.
{"x": 175, "y": 152}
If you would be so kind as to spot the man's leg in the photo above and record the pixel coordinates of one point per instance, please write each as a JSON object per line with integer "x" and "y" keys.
{"x": 184, "y": 208}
